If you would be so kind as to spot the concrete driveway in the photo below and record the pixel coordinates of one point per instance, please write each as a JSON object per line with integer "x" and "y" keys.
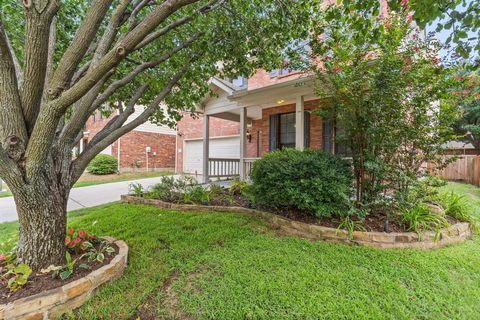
{"x": 82, "y": 197}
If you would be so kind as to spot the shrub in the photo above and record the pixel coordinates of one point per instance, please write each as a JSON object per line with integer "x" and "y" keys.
{"x": 421, "y": 218}
{"x": 197, "y": 195}
{"x": 458, "y": 207}
{"x": 103, "y": 164}
{"x": 312, "y": 180}
{"x": 170, "y": 189}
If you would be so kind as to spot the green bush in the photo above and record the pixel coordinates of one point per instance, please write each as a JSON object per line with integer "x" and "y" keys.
{"x": 103, "y": 164}
{"x": 316, "y": 182}
{"x": 421, "y": 218}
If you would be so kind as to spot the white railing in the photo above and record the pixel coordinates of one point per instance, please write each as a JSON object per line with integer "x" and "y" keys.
{"x": 247, "y": 165}
{"x": 223, "y": 168}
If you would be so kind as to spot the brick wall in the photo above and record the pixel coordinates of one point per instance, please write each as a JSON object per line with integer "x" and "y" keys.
{"x": 262, "y": 78}
{"x": 192, "y": 128}
{"x": 133, "y": 154}
{"x": 132, "y": 147}
{"x": 260, "y": 129}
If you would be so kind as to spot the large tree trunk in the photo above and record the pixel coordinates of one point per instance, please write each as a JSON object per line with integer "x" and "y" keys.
{"x": 43, "y": 220}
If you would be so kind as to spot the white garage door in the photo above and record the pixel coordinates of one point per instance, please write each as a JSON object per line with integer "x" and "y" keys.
{"x": 228, "y": 148}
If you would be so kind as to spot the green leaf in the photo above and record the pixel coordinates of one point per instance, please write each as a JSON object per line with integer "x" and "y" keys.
{"x": 65, "y": 274}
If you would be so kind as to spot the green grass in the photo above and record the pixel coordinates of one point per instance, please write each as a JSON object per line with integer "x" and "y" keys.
{"x": 109, "y": 179}
{"x": 231, "y": 266}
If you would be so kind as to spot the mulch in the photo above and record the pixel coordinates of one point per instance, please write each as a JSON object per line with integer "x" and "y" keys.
{"x": 42, "y": 282}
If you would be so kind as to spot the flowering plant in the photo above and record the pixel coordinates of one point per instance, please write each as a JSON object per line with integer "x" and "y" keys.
{"x": 79, "y": 240}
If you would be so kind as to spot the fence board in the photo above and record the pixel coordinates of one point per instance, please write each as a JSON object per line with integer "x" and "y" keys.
{"x": 465, "y": 169}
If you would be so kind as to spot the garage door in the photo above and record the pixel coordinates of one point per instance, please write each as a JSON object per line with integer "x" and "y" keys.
{"x": 228, "y": 148}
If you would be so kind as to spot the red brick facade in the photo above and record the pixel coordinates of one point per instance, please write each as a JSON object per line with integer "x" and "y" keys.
{"x": 133, "y": 155}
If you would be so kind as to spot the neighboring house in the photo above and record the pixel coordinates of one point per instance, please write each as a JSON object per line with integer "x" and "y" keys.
{"x": 461, "y": 148}
{"x": 249, "y": 117}
{"x": 149, "y": 147}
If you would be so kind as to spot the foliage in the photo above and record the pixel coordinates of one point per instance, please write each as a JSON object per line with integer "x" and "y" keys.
{"x": 425, "y": 190}
{"x": 468, "y": 92}
{"x": 15, "y": 275}
{"x": 350, "y": 225}
{"x": 218, "y": 255}
{"x": 197, "y": 194}
{"x": 79, "y": 240}
{"x": 170, "y": 189}
{"x": 459, "y": 19}
{"x": 311, "y": 180}
{"x": 98, "y": 254}
{"x": 457, "y": 206}
{"x": 421, "y": 218}
{"x": 389, "y": 99}
{"x": 238, "y": 187}
{"x": 136, "y": 189}
{"x": 103, "y": 164}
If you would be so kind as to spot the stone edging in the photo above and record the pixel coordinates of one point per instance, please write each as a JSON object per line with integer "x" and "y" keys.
{"x": 456, "y": 233}
{"x": 55, "y": 302}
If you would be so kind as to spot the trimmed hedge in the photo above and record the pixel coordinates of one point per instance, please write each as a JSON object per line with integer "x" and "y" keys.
{"x": 312, "y": 181}
{"x": 103, "y": 164}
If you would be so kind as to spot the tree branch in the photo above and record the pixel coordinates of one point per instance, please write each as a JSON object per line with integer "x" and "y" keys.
{"x": 44, "y": 132}
{"x": 83, "y": 111}
{"x": 11, "y": 115}
{"x": 117, "y": 121}
{"x": 79, "y": 164}
{"x": 37, "y": 34}
{"x": 16, "y": 63}
{"x": 75, "y": 52}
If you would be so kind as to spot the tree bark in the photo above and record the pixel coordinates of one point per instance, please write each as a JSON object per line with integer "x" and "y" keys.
{"x": 42, "y": 212}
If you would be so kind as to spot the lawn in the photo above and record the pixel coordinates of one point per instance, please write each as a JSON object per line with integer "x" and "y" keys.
{"x": 188, "y": 265}
{"x": 91, "y": 180}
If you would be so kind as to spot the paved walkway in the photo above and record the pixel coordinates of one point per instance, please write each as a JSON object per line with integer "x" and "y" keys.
{"x": 82, "y": 197}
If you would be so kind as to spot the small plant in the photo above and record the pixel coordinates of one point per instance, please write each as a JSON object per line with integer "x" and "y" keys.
{"x": 197, "y": 194}
{"x": 457, "y": 206}
{"x": 16, "y": 276}
{"x": 347, "y": 223}
{"x": 238, "y": 187}
{"x": 79, "y": 240}
{"x": 420, "y": 218}
{"x": 136, "y": 189}
{"x": 103, "y": 164}
{"x": 170, "y": 189}
{"x": 98, "y": 254}
{"x": 64, "y": 272}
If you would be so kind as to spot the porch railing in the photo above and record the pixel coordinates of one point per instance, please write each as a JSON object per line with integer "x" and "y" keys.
{"x": 229, "y": 168}
{"x": 248, "y": 164}
{"x": 223, "y": 168}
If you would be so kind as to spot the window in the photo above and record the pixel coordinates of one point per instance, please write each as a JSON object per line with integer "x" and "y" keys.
{"x": 330, "y": 134}
{"x": 283, "y": 131}
{"x": 240, "y": 82}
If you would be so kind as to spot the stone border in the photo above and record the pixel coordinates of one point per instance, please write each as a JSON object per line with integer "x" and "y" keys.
{"x": 456, "y": 233}
{"x": 58, "y": 301}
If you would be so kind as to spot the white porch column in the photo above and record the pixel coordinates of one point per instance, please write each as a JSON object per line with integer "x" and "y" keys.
{"x": 81, "y": 146}
{"x": 206, "y": 144}
{"x": 299, "y": 123}
{"x": 243, "y": 144}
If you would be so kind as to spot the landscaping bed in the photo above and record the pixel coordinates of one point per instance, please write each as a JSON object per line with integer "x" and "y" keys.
{"x": 55, "y": 290}
{"x": 42, "y": 282}
{"x": 187, "y": 262}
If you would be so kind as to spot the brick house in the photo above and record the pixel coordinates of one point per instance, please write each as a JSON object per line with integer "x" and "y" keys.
{"x": 249, "y": 117}
{"x": 149, "y": 147}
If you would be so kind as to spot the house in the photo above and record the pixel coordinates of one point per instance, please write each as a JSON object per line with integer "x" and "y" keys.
{"x": 149, "y": 147}
{"x": 249, "y": 117}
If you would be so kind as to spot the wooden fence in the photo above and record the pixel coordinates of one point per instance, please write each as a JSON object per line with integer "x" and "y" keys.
{"x": 465, "y": 169}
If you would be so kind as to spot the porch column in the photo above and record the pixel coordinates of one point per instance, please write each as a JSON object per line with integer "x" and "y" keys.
{"x": 299, "y": 123}
{"x": 206, "y": 145}
{"x": 81, "y": 146}
{"x": 243, "y": 144}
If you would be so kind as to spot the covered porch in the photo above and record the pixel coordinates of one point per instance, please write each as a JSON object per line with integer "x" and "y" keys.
{"x": 269, "y": 118}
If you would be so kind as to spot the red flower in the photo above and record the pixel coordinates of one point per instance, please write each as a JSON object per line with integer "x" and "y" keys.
{"x": 91, "y": 237}
{"x": 70, "y": 231}
{"x": 337, "y": 69}
{"x": 82, "y": 234}
{"x": 78, "y": 240}
{"x": 72, "y": 243}
{"x": 3, "y": 257}
{"x": 404, "y": 2}
{"x": 67, "y": 240}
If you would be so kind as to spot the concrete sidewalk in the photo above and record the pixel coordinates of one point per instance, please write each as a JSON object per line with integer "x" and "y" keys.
{"x": 82, "y": 197}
